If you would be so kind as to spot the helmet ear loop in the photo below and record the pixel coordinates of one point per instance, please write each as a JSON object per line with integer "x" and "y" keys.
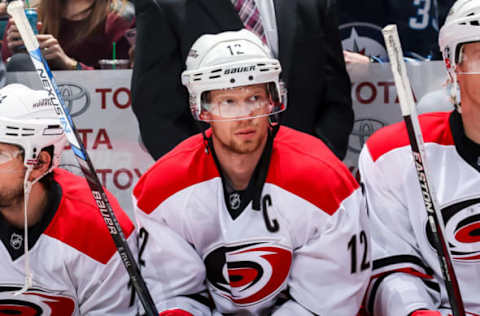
{"x": 273, "y": 99}
{"x": 457, "y": 103}
{"x": 453, "y": 88}
{"x": 455, "y": 92}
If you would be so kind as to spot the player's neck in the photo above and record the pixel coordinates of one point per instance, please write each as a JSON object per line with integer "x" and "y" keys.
{"x": 237, "y": 167}
{"x": 471, "y": 122}
{"x": 14, "y": 214}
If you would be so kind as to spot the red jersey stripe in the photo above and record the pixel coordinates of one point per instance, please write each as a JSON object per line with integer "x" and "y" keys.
{"x": 78, "y": 222}
{"x": 435, "y": 129}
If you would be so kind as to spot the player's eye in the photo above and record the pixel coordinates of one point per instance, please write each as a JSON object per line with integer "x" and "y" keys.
{"x": 4, "y": 157}
{"x": 228, "y": 102}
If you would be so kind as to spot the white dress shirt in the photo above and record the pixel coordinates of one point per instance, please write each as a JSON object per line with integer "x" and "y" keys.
{"x": 269, "y": 23}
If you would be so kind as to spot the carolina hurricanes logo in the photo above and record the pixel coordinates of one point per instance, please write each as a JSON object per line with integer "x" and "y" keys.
{"x": 462, "y": 229}
{"x": 248, "y": 273}
{"x": 34, "y": 302}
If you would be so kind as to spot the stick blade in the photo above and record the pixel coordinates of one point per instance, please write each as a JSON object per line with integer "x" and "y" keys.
{"x": 399, "y": 70}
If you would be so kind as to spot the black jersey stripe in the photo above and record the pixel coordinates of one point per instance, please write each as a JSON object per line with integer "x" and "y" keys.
{"x": 384, "y": 262}
{"x": 202, "y": 298}
{"x": 432, "y": 285}
{"x": 373, "y": 292}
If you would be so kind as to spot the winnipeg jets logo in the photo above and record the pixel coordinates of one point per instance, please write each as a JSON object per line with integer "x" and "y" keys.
{"x": 235, "y": 200}
{"x": 363, "y": 38}
{"x": 248, "y": 273}
{"x": 462, "y": 229}
{"x": 16, "y": 241}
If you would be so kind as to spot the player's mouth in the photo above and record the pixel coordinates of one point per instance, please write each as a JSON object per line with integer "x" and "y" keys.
{"x": 246, "y": 133}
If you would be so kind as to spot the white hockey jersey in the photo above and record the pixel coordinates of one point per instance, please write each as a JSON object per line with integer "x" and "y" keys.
{"x": 400, "y": 234}
{"x": 76, "y": 269}
{"x": 303, "y": 250}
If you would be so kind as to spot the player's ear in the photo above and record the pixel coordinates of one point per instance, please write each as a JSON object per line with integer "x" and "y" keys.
{"x": 205, "y": 116}
{"x": 43, "y": 164}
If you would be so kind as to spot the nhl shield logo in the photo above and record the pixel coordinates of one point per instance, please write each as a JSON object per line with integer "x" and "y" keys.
{"x": 235, "y": 201}
{"x": 16, "y": 241}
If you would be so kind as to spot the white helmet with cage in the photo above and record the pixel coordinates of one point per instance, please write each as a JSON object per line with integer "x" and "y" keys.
{"x": 461, "y": 26}
{"x": 28, "y": 120}
{"x": 231, "y": 60}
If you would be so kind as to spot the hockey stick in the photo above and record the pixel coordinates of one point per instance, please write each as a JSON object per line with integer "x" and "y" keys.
{"x": 16, "y": 10}
{"x": 435, "y": 220}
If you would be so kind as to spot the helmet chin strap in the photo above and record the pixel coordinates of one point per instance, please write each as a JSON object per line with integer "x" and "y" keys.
{"x": 27, "y": 187}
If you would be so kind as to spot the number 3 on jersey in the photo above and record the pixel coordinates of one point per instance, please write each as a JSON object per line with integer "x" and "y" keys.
{"x": 363, "y": 252}
{"x": 420, "y": 21}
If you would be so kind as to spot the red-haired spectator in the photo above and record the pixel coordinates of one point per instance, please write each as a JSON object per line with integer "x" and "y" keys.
{"x": 76, "y": 34}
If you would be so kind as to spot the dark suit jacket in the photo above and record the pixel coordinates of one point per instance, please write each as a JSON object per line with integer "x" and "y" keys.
{"x": 319, "y": 100}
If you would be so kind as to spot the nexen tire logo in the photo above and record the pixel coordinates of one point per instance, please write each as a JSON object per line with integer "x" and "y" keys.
{"x": 238, "y": 69}
{"x": 248, "y": 273}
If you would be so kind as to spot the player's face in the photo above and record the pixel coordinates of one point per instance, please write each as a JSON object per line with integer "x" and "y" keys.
{"x": 468, "y": 74}
{"x": 12, "y": 173}
{"x": 247, "y": 134}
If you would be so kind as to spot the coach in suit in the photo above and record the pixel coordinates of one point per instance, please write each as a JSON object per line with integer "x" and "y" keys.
{"x": 306, "y": 42}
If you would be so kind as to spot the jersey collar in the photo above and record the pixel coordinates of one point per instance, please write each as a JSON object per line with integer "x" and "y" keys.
{"x": 466, "y": 148}
{"x": 253, "y": 192}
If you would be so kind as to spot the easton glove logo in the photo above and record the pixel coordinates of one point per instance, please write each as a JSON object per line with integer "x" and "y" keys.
{"x": 248, "y": 273}
{"x": 34, "y": 302}
{"x": 462, "y": 229}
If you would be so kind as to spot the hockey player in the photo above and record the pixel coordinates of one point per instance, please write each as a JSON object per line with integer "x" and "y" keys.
{"x": 249, "y": 218}
{"x": 407, "y": 279}
{"x": 70, "y": 266}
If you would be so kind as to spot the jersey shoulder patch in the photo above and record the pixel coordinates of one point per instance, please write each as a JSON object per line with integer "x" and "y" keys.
{"x": 186, "y": 165}
{"x": 78, "y": 222}
{"x": 435, "y": 129}
{"x": 305, "y": 166}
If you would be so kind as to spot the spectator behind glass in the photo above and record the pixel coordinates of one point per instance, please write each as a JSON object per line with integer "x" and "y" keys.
{"x": 76, "y": 34}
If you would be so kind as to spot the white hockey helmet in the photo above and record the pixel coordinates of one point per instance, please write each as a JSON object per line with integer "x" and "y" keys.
{"x": 28, "y": 120}
{"x": 461, "y": 26}
{"x": 231, "y": 60}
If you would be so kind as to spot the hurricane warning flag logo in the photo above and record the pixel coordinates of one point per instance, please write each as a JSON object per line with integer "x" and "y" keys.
{"x": 462, "y": 229}
{"x": 34, "y": 302}
{"x": 248, "y": 273}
